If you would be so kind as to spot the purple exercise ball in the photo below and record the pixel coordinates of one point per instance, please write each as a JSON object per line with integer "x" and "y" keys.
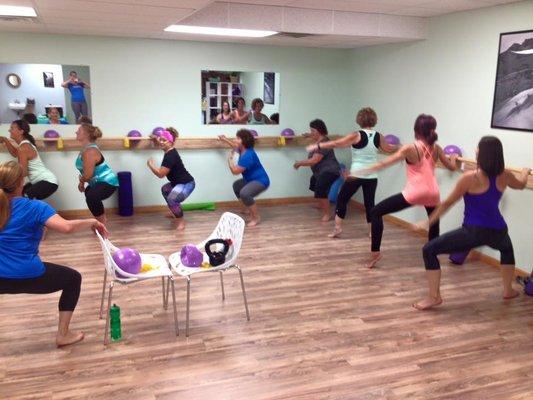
{"x": 392, "y": 139}
{"x": 254, "y": 133}
{"x": 128, "y": 260}
{"x": 51, "y": 134}
{"x": 452, "y": 149}
{"x": 157, "y": 130}
{"x": 190, "y": 256}
{"x": 134, "y": 134}
{"x": 288, "y": 133}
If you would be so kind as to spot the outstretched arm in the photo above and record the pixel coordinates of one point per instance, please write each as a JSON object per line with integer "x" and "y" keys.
{"x": 450, "y": 163}
{"x": 393, "y": 159}
{"x": 518, "y": 183}
{"x": 60, "y": 224}
{"x": 459, "y": 191}
{"x": 345, "y": 141}
{"x": 10, "y": 147}
{"x": 315, "y": 159}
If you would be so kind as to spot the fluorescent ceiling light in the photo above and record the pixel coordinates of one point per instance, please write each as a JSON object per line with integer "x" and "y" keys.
{"x": 205, "y": 30}
{"x": 17, "y": 11}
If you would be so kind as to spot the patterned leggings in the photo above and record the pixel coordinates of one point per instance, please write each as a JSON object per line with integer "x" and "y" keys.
{"x": 175, "y": 195}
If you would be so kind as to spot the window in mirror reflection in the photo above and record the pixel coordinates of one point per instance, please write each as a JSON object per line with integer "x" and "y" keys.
{"x": 49, "y": 94}
{"x": 241, "y": 98}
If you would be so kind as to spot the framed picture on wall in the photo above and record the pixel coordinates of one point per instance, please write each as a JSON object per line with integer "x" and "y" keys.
{"x": 48, "y": 78}
{"x": 269, "y": 88}
{"x": 513, "y": 92}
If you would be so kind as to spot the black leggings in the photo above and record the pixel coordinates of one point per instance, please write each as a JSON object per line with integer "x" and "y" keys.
{"x": 94, "y": 194}
{"x": 349, "y": 188}
{"x": 390, "y": 205}
{"x": 40, "y": 190}
{"x": 465, "y": 239}
{"x": 54, "y": 279}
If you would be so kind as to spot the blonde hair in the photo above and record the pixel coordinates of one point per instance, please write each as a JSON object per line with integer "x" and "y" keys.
{"x": 93, "y": 131}
{"x": 174, "y": 132}
{"x": 11, "y": 176}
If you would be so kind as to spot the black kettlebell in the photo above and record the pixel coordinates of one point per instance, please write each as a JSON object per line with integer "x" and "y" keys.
{"x": 217, "y": 257}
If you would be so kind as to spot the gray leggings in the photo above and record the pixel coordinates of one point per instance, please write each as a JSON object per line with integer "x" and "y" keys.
{"x": 79, "y": 108}
{"x": 247, "y": 191}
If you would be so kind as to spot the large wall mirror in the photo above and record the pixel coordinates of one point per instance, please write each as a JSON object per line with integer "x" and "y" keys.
{"x": 45, "y": 94}
{"x": 240, "y": 98}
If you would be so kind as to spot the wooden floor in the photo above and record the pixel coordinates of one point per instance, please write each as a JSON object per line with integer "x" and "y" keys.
{"x": 322, "y": 326}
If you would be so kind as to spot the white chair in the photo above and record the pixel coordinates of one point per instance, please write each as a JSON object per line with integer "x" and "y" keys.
{"x": 230, "y": 226}
{"x": 161, "y": 270}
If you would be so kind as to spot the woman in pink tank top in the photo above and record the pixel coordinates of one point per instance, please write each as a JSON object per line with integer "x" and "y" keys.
{"x": 421, "y": 188}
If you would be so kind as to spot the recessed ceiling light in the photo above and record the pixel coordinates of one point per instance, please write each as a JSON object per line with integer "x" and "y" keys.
{"x": 17, "y": 11}
{"x": 205, "y": 30}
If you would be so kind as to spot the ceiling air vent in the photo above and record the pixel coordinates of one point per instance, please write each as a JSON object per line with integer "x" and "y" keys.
{"x": 294, "y": 35}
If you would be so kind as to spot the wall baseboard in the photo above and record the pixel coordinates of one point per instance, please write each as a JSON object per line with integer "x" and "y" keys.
{"x": 474, "y": 255}
{"x": 84, "y": 213}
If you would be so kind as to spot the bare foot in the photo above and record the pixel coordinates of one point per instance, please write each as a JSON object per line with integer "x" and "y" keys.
{"x": 180, "y": 226}
{"x": 374, "y": 260}
{"x": 326, "y": 218}
{"x": 428, "y": 303}
{"x": 254, "y": 222}
{"x": 69, "y": 338}
{"x": 510, "y": 295}
{"x": 336, "y": 233}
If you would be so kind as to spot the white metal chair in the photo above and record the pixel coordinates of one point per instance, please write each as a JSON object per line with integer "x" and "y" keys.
{"x": 230, "y": 226}
{"x": 116, "y": 274}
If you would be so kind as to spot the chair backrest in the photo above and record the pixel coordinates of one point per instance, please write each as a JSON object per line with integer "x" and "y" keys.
{"x": 230, "y": 226}
{"x": 110, "y": 265}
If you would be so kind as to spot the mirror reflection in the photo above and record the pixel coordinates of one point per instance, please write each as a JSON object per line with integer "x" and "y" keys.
{"x": 45, "y": 94}
{"x": 241, "y": 98}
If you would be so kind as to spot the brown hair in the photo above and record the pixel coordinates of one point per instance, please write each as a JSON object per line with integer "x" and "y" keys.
{"x": 84, "y": 119}
{"x": 425, "y": 129}
{"x": 248, "y": 140}
{"x": 257, "y": 101}
{"x": 10, "y": 178}
{"x": 490, "y": 156}
{"x": 93, "y": 131}
{"x": 366, "y": 118}
{"x": 174, "y": 132}
{"x": 24, "y": 126}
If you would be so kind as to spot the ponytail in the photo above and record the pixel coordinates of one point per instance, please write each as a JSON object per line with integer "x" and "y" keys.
{"x": 425, "y": 129}
{"x": 10, "y": 178}
{"x": 92, "y": 131}
{"x": 25, "y": 128}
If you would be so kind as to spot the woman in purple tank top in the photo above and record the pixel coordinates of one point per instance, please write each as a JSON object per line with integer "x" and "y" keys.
{"x": 483, "y": 223}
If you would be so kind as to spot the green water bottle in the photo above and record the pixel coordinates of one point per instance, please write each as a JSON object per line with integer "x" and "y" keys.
{"x": 114, "y": 315}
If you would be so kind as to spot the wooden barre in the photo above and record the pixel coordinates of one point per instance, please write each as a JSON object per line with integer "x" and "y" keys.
{"x": 470, "y": 161}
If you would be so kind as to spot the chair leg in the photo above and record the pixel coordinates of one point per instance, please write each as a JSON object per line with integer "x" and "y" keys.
{"x": 244, "y": 294}
{"x": 222, "y": 285}
{"x": 106, "y": 332}
{"x": 103, "y": 294}
{"x": 167, "y": 291}
{"x": 188, "y": 306}
{"x": 164, "y": 291}
{"x": 176, "y": 326}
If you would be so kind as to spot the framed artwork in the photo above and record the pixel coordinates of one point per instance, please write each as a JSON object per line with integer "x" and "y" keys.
{"x": 269, "y": 88}
{"x": 513, "y": 92}
{"x": 48, "y": 78}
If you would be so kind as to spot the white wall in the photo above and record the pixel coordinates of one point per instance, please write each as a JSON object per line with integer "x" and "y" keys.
{"x": 140, "y": 84}
{"x": 254, "y": 88}
{"x": 450, "y": 75}
{"x": 32, "y": 86}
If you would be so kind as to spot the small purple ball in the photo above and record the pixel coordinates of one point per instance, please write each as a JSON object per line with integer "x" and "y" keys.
{"x": 134, "y": 134}
{"x": 157, "y": 130}
{"x": 254, "y": 133}
{"x": 128, "y": 260}
{"x": 51, "y": 134}
{"x": 392, "y": 139}
{"x": 452, "y": 149}
{"x": 190, "y": 256}
{"x": 288, "y": 133}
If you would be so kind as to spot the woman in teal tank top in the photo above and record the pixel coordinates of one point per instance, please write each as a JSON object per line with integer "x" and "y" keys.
{"x": 97, "y": 180}
{"x": 365, "y": 145}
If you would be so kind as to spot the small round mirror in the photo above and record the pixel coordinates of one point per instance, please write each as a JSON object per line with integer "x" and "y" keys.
{"x": 13, "y": 80}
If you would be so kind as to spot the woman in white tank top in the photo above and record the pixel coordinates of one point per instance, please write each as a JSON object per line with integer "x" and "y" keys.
{"x": 365, "y": 145}
{"x": 42, "y": 183}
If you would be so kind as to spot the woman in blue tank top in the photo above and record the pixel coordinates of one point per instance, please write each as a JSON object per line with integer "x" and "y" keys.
{"x": 97, "y": 180}
{"x": 483, "y": 223}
